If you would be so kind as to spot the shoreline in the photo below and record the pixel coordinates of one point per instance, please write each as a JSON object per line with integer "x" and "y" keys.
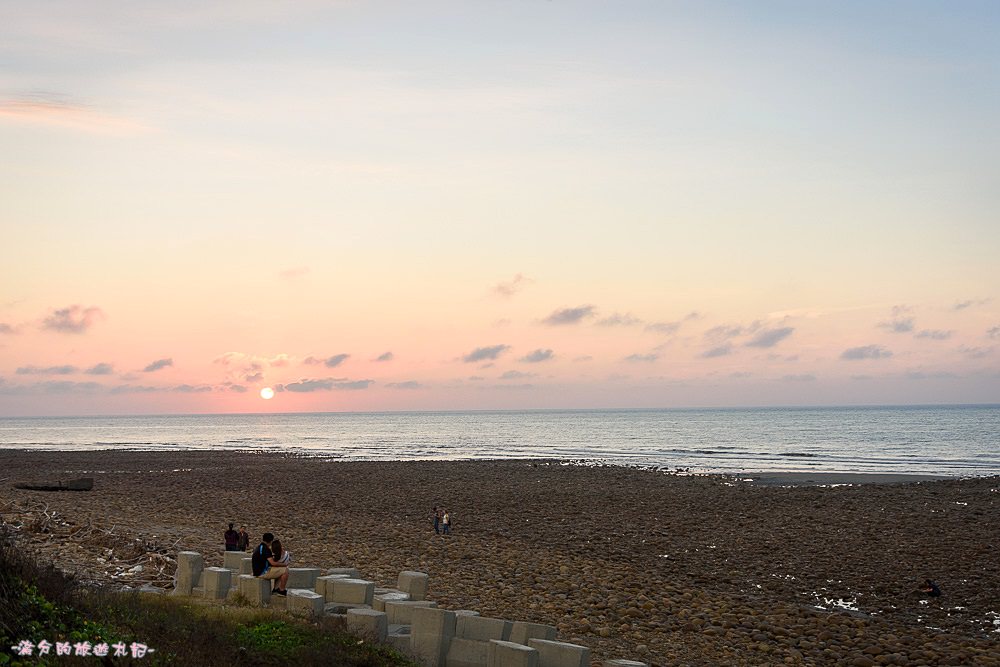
{"x": 757, "y": 477}
{"x": 670, "y": 568}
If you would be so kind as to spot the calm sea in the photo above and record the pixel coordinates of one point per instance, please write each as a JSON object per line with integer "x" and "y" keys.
{"x": 954, "y": 440}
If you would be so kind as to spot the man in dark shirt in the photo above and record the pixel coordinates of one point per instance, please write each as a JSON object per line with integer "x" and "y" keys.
{"x": 232, "y": 539}
{"x": 265, "y": 567}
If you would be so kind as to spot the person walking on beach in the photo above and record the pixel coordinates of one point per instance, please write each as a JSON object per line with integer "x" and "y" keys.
{"x": 265, "y": 566}
{"x": 446, "y": 521}
{"x": 437, "y": 520}
{"x": 244, "y": 539}
{"x": 232, "y": 539}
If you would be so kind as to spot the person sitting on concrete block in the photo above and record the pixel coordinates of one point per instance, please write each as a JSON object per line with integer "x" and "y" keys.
{"x": 265, "y": 566}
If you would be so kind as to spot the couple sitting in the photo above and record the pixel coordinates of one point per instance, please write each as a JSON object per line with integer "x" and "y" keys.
{"x": 270, "y": 561}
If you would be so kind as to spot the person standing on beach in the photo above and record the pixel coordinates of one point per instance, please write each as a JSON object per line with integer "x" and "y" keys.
{"x": 437, "y": 520}
{"x": 446, "y": 521}
{"x": 244, "y": 539}
{"x": 232, "y": 539}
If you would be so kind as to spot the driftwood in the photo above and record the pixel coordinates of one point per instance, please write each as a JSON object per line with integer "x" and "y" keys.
{"x": 81, "y": 484}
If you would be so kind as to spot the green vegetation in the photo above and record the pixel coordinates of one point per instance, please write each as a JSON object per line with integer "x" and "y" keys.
{"x": 41, "y": 603}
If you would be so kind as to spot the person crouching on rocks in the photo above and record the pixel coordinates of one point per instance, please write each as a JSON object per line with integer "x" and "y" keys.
{"x": 265, "y": 566}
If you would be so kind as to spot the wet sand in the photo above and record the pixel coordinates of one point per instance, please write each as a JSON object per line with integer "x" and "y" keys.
{"x": 669, "y": 569}
{"x": 832, "y": 478}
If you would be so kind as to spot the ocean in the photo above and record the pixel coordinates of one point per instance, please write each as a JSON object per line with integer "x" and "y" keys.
{"x": 951, "y": 440}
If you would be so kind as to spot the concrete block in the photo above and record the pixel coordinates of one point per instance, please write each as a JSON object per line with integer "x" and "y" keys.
{"x": 349, "y": 571}
{"x": 399, "y": 638}
{"x": 400, "y": 612}
{"x": 368, "y": 623}
{"x": 381, "y": 598}
{"x": 431, "y": 634}
{"x": 231, "y": 560}
{"x": 188, "y": 574}
{"x": 560, "y": 654}
{"x": 466, "y": 612}
{"x": 303, "y": 577}
{"x": 624, "y": 663}
{"x": 414, "y": 583}
{"x": 341, "y": 608}
{"x": 304, "y": 601}
{"x": 216, "y": 582}
{"x": 522, "y": 631}
{"x": 482, "y": 629}
{"x": 246, "y": 565}
{"x": 257, "y": 591}
{"x": 352, "y": 591}
{"x": 321, "y": 582}
{"x": 466, "y": 653}
{"x": 278, "y": 602}
{"x": 509, "y": 654}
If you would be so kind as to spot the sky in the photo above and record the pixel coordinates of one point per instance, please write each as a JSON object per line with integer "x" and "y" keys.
{"x": 497, "y": 205}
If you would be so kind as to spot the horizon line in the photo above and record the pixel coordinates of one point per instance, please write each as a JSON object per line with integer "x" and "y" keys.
{"x": 847, "y": 406}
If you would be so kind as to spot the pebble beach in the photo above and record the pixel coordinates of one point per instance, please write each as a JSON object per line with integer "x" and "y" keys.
{"x": 667, "y": 568}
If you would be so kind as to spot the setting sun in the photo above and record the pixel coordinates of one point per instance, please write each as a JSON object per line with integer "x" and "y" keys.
{"x": 267, "y": 393}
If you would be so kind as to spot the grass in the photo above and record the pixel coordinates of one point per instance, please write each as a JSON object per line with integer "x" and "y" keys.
{"x": 40, "y": 602}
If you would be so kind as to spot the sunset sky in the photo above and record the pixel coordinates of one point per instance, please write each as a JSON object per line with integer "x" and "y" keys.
{"x": 489, "y": 205}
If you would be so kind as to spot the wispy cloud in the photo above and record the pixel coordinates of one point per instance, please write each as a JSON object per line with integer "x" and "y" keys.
{"x": 409, "y": 384}
{"x": 569, "y": 315}
{"x": 50, "y": 387}
{"x": 975, "y": 352}
{"x": 619, "y": 320}
{"x": 192, "y": 388}
{"x": 901, "y": 321}
{"x": 385, "y": 356}
{"x": 922, "y": 375}
{"x": 328, "y": 384}
{"x": 993, "y": 332}
{"x": 537, "y": 356}
{"x": 6, "y": 328}
{"x": 157, "y": 365}
{"x": 47, "y": 370}
{"x": 54, "y": 110}
{"x": 769, "y": 337}
{"x": 642, "y": 358}
{"x": 865, "y": 352}
{"x": 516, "y": 375}
{"x": 134, "y": 389}
{"x": 801, "y": 377}
{"x": 72, "y": 319}
{"x": 484, "y": 353}
{"x": 100, "y": 369}
{"x": 717, "y": 351}
{"x": 933, "y": 334}
{"x": 329, "y": 362}
{"x": 663, "y": 327}
{"x": 513, "y": 286}
{"x": 724, "y": 332}
{"x": 962, "y": 305}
